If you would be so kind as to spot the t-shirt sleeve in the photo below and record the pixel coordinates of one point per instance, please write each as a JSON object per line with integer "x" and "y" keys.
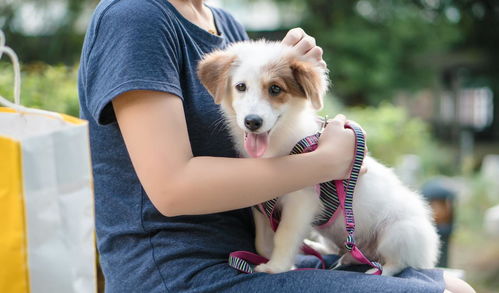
{"x": 134, "y": 48}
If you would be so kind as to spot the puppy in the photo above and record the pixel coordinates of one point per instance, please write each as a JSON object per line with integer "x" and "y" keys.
{"x": 269, "y": 95}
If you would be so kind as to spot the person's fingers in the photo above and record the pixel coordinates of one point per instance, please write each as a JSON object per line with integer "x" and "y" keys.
{"x": 315, "y": 53}
{"x": 294, "y": 36}
{"x": 340, "y": 117}
{"x": 351, "y": 122}
{"x": 363, "y": 170}
{"x": 338, "y": 120}
{"x": 306, "y": 44}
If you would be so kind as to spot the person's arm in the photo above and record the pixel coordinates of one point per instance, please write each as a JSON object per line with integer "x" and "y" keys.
{"x": 155, "y": 133}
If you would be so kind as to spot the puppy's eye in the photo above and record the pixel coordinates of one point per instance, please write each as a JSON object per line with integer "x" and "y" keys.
{"x": 274, "y": 90}
{"x": 241, "y": 87}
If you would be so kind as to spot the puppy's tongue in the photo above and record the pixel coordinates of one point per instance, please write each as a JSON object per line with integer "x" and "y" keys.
{"x": 256, "y": 144}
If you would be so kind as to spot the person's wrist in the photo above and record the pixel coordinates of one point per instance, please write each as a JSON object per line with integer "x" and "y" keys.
{"x": 325, "y": 164}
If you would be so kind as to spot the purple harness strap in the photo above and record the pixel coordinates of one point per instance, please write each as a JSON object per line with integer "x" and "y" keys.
{"x": 333, "y": 195}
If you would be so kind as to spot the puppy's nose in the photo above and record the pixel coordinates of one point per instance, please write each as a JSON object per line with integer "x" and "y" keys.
{"x": 253, "y": 122}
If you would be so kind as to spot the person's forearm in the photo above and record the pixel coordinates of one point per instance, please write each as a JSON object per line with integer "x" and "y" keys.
{"x": 209, "y": 184}
{"x": 179, "y": 184}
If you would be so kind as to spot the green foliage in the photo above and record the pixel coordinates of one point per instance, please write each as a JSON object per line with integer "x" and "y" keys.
{"x": 391, "y": 133}
{"x": 375, "y": 47}
{"x": 45, "y": 87}
{"x": 58, "y": 40}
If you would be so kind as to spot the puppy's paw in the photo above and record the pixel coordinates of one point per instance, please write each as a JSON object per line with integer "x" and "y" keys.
{"x": 371, "y": 271}
{"x": 391, "y": 270}
{"x": 272, "y": 268}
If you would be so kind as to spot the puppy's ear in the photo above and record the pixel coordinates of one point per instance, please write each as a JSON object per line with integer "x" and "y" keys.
{"x": 213, "y": 72}
{"x": 312, "y": 79}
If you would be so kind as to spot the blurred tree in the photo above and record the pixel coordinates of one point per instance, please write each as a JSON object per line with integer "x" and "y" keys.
{"x": 55, "y": 35}
{"x": 479, "y": 22}
{"x": 376, "y": 47}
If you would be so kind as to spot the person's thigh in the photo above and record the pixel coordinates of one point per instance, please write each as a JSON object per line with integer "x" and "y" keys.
{"x": 139, "y": 274}
{"x": 409, "y": 280}
{"x": 338, "y": 281}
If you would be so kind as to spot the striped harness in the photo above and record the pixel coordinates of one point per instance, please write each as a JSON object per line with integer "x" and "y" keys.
{"x": 335, "y": 195}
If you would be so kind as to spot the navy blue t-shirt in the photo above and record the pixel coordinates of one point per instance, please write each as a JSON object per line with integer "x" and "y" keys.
{"x": 149, "y": 45}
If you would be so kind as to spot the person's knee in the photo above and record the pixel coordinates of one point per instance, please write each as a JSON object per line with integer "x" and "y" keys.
{"x": 455, "y": 285}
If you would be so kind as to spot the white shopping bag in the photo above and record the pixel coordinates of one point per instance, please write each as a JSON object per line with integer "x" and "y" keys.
{"x": 47, "y": 236}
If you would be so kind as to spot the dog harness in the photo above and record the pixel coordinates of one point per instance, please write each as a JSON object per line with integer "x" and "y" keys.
{"x": 334, "y": 195}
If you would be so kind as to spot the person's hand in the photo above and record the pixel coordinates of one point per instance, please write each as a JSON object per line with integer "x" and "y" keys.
{"x": 305, "y": 44}
{"x": 336, "y": 149}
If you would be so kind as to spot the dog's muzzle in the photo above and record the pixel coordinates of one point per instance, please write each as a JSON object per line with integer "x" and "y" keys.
{"x": 253, "y": 122}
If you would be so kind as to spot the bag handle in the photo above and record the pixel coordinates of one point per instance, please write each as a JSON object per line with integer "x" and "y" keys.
{"x": 17, "y": 69}
{"x": 17, "y": 84}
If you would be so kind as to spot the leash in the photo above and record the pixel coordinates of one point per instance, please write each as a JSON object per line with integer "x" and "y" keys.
{"x": 334, "y": 195}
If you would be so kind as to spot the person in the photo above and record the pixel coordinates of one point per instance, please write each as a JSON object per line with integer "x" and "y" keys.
{"x": 171, "y": 196}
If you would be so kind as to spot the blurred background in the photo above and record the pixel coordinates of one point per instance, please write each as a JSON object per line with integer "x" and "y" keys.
{"x": 421, "y": 76}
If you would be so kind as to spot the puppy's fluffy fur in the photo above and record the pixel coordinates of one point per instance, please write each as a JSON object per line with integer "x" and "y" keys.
{"x": 393, "y": 224}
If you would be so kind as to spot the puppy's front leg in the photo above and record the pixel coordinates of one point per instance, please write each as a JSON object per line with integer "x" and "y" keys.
{"x": 264, "y": 235}
{"x": 298, "y": 211}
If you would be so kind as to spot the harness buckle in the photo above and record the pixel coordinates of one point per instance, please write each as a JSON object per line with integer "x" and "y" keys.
{"x": 324, "y": 123}
{"x": 350, "y": 242}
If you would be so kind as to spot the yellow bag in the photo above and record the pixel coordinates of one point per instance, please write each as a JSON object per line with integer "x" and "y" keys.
{"x": 47, "y": 236}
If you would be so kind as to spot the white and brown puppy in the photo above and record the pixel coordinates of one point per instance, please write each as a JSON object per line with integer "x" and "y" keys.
{"x": 269, "y": 95}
